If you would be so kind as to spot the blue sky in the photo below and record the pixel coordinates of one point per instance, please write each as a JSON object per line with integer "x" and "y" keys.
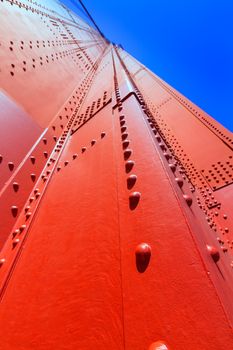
{"x": 188, "y": 43}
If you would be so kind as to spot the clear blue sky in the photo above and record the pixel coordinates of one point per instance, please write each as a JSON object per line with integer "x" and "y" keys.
{"x": 188, "y": 43}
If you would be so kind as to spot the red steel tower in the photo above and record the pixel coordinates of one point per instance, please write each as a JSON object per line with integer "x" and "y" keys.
{"x": 115, "y": 197}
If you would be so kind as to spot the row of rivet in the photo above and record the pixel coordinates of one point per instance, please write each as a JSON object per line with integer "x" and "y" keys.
{"x": 211, "y": 203}
{"x": 211, "y": 249}
{"x": 134, "y": 197}
{"x": 143, "y": 250}
{"x": 83, "y": 150}
{"x": 27, "y": 213}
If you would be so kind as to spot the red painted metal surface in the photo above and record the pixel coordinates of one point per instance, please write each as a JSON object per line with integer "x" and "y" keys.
{"x": 115, "y": 197}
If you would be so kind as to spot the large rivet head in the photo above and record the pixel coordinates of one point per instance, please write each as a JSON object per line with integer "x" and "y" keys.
{"x": 33, "y": 177}
{"x": 179, "y": 181}
{"x": 172, "y": 167}
{"x": 188, "y": 200}
{"x": 83, "y": 149}
{"x": 28, "y": 215}
{"x": 131, "y": 180}
{"x": 143, "y": 255}
{"x": 2, "y": 261}
{"x": 134, "y": 198}
{"x": 102, "y": 134}
{"x": 11, "y": 166}
{"x": 15, "y": 242}
{"x": 33, "y": 159}
{"x": 214, "y": 253}
{"x": 14, "y": 210}
{"x": 125, "y": 144}
{"x": 129, "y": 165}
{"x": 124, "y": 136}
{"x": 158, "y": 345}
{"x": 127, "y": 153}
{"x": 15, "y": 186}
{"x": 93, "y": 142}
{"x": 167, "y": 155}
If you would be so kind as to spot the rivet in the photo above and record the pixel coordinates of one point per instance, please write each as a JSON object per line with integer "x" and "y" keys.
{"x": 11, "y": 166}
{"x": 214, "y": 253}
{"x": 15, "y": 242}
{"x": 2, "y": 261}
{"x": 55, "y": 138}
{"x": 28, "y": 215}
{"x": 75, "y": 156}
{"x": 123, "y": 129}
{"x": 58, "y": 168}
{"x": 166, "y": 155}
{"x": 31, "y": 199}
{"x": 122, "y": 122}
{"x": 22, "y": 227}
{"x": 188, "y": 200}
{"x": 33, "y": 177}
{"x": 37, "y": 195}
{"x": 83, "y": 149}
{"x": 121, "y": 117}
{"x": 45, "y": 140}
{"x": 131, "y": 180}
{"x": 129, "y": 165}
{"x": 179, "y": 181}
{"x": 127, "y": 153}
{"x": 1, "y": 157}
{"x": 27, "y": 208}
{"x": 158, "y": 345}
{"x": 33, "y": 159}
{"x": 143, "y": 255}
{"x": 14, "y": 210}
{"x": 162, "y": 146}
{"x": 36, "y": 190}
{"x": 172, "y": 167}
{"x": 16, "y": 232}
{"x": 93, "y": 142}
{"x": 102, "y": 134}
{"x": 134, "y": 198}
{"x": 46, "y": 154}
{"x": 125, "y": 144}
{"x": 15, "y": 186}
{"x": 124, "y": 136}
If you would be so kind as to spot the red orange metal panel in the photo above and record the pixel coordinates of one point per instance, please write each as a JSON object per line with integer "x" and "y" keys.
{"x": 117, "y": 230}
